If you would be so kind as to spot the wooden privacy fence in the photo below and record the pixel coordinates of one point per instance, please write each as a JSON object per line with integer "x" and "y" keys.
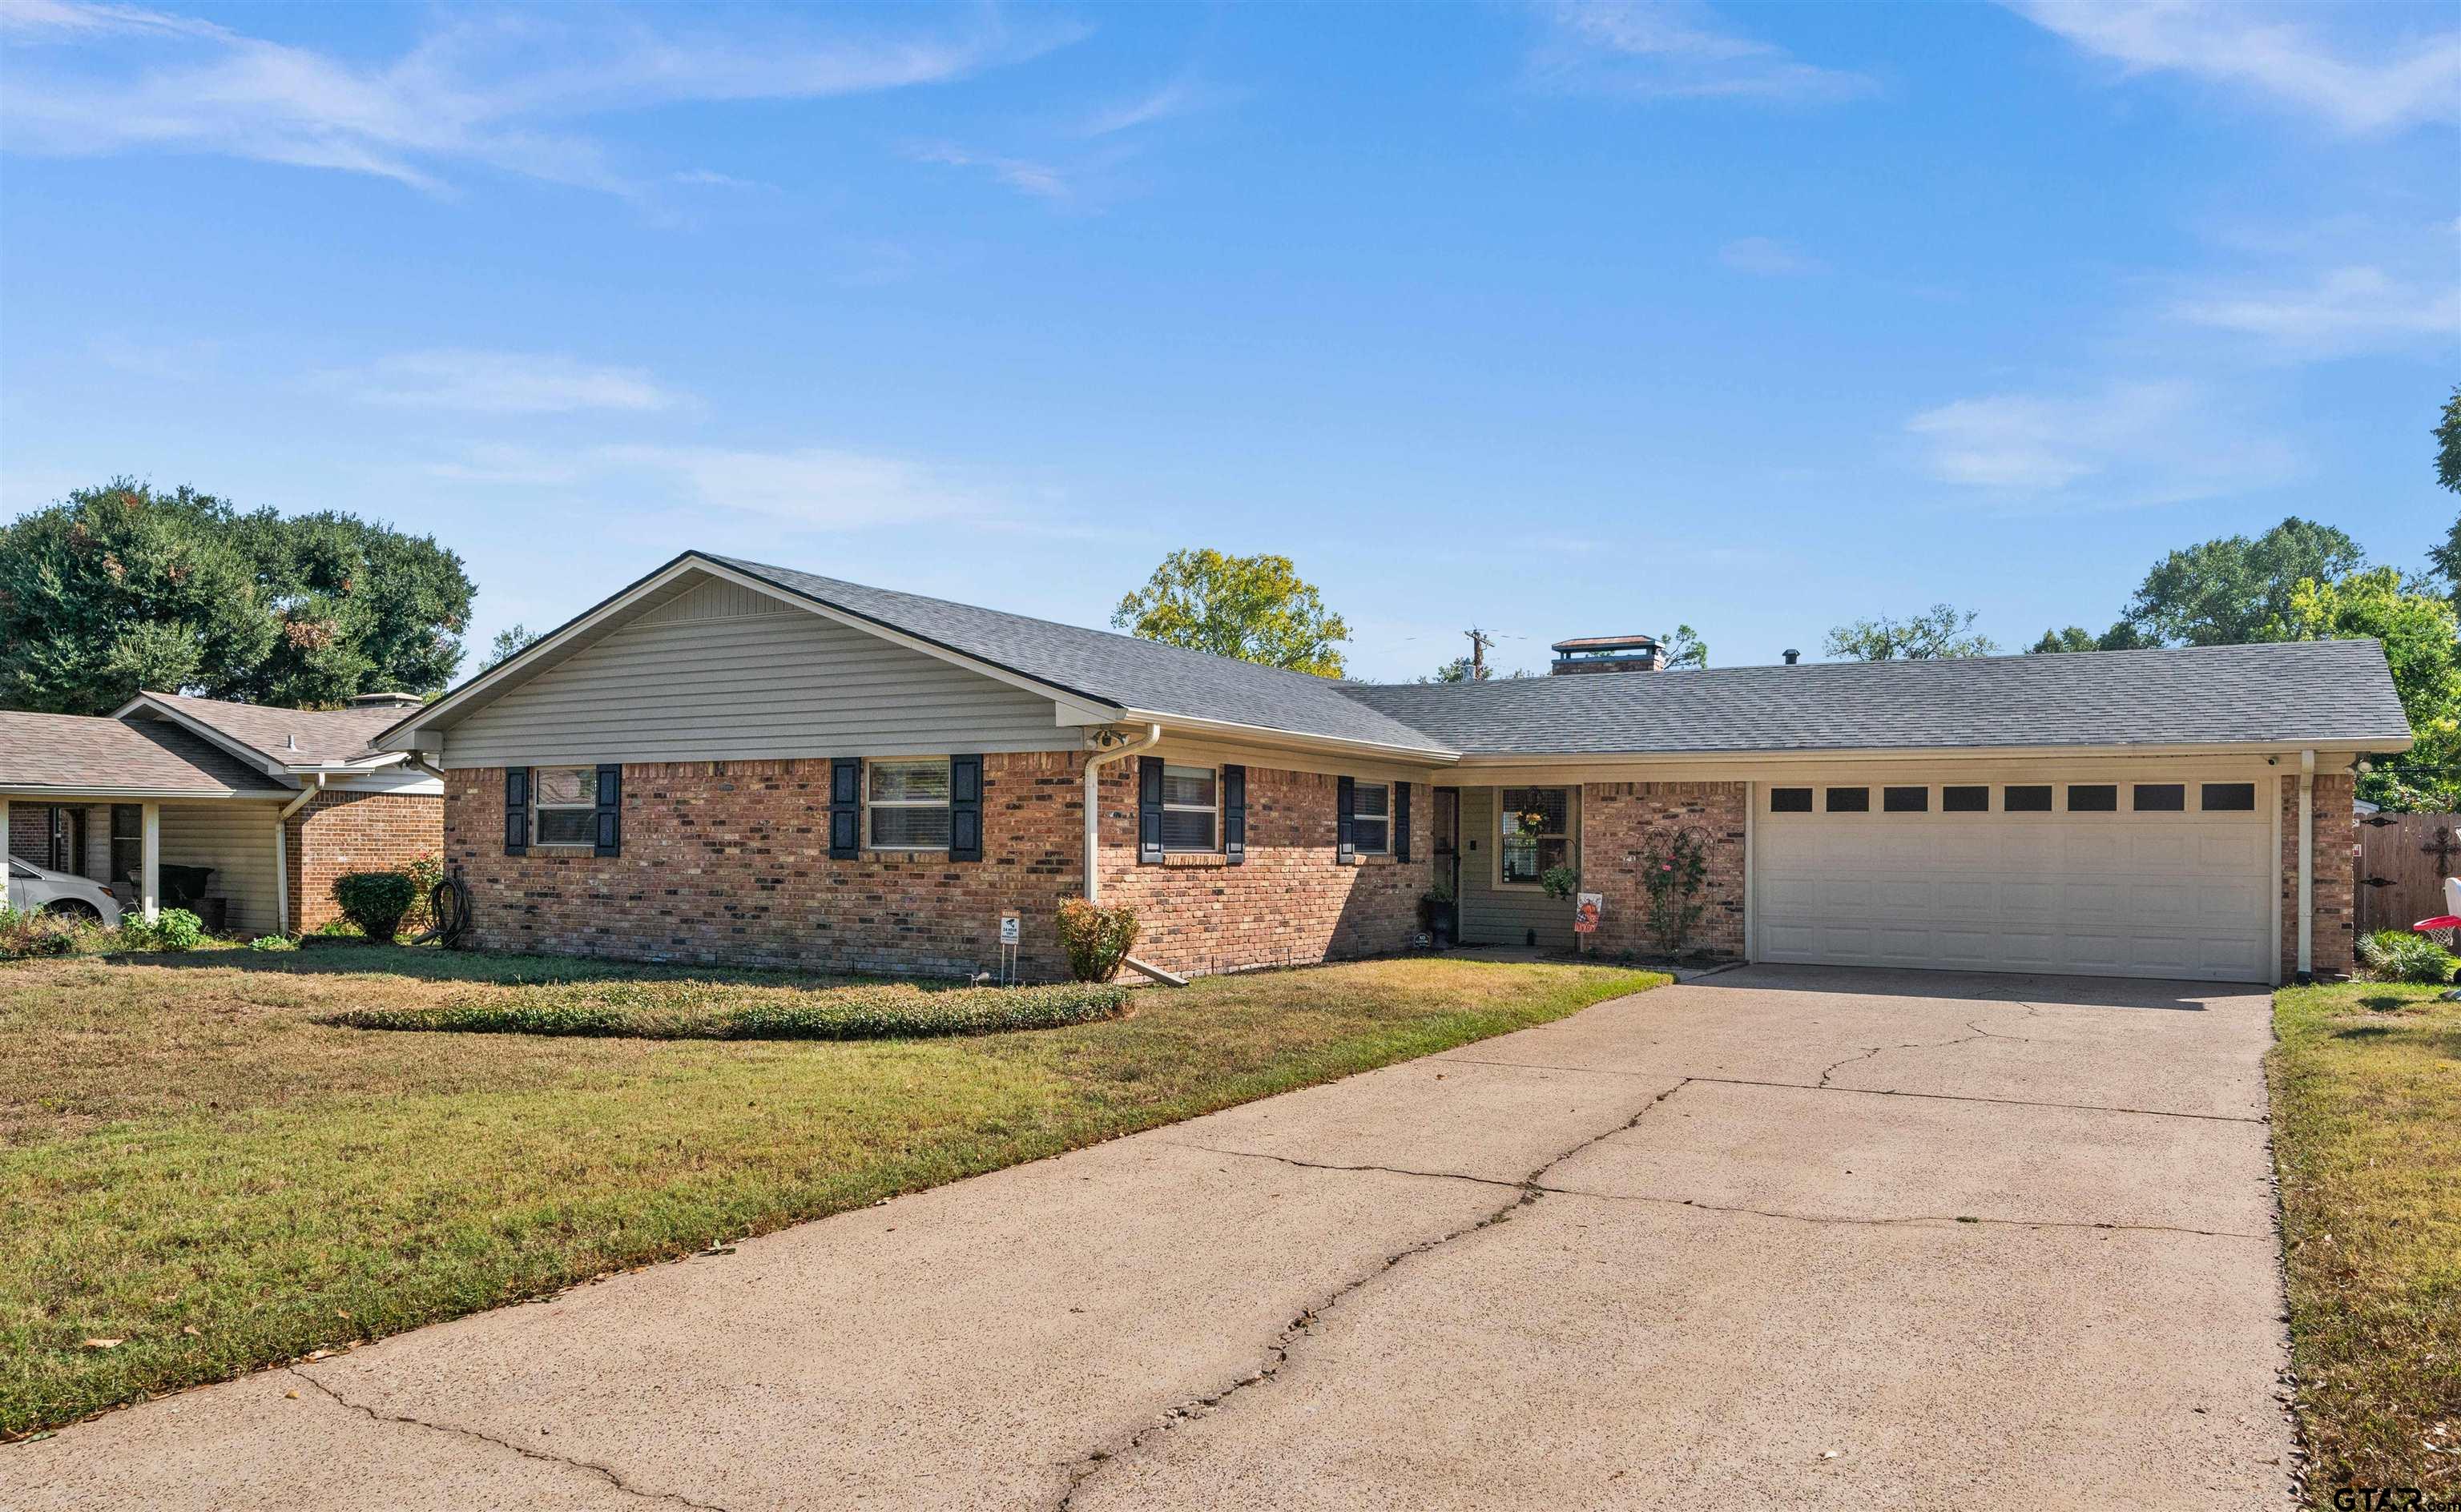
{"x": 2403, "y": 861}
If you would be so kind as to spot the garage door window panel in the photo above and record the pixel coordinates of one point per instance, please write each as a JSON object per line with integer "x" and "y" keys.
{"x": 2094, "y": 797}
{"x": 2229, "y": 798}
{"x": 1905, "y": 800}
{"x": 1965, "y": 800}
{"x": 2028, "y": 798}
{"x": 1789, "y": 800}
{"x": 1850, "y": 800}
{"x": 2161, "y": 797}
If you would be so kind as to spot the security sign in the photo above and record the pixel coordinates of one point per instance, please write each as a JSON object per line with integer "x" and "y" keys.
{"x": 1008, "y": 928}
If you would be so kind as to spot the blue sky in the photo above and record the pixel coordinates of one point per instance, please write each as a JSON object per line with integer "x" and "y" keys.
{"x": 1559, "y": 320}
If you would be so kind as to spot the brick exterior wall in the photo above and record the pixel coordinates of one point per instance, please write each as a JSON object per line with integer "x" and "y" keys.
{"x": 727, "y": 862}
{"x": 2333, "y": 945}
{"x": 339, "y": 832}
{"x": 1290, "y": 903}
{"x": 1621, "y": 821}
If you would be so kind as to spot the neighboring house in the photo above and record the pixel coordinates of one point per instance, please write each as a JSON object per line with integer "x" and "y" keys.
{"x": 732, "y": 762}
{"x": 277, "y": 801}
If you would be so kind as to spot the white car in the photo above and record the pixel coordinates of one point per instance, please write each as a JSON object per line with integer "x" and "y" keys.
{"x": 38, "y": 890}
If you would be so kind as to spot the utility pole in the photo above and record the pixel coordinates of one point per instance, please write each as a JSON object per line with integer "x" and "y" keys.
{"x": 1479, "y": 642}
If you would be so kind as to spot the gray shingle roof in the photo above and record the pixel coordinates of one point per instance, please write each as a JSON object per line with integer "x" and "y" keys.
{"x": 78, "y": 752}
{"x": 2326, "y": 691}
{"x": 1114, "y": 668}
{"x": 323, "y": 735}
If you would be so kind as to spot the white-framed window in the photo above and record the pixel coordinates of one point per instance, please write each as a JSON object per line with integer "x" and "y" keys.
{"x": 908, "y": 803}
{"x": 564, "y": 806}
{"x": 1371, "y": 818}
{"x": 1533, "y": 833}
{"x": 1191, "y": 808}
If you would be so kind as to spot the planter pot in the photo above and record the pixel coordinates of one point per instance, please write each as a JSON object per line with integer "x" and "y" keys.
{"x": 1442, "y": 923}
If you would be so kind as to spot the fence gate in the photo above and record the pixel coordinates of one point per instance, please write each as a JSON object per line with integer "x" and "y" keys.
{"x": 2403, "y": 861}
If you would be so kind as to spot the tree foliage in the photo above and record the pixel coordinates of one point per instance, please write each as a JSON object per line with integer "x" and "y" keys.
{"x": 2225, "y": 592}
{"x": 1255, "y": 608}
{"x": 2120, "y": 637}
{"x": 1941, "y": 630}
{"x": 508, "y": 644}
{"x": 2448, "y": 443}
{"x": 123, "y": 587}
{"x": 2422, "y": 644}
{"x": 1687, "y": 649}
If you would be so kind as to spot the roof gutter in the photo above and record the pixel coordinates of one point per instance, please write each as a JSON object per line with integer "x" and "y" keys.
{"x": 1934, "y": 754}
{"x": 282, "y": 854}
{"x": 1190, "y": 724}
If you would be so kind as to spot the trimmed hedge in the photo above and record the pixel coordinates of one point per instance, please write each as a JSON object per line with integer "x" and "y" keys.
{"x": 717, "y": 1010}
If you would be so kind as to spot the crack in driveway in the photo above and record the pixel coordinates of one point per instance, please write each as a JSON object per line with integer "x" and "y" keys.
{"x": 605, "y": 1473}
{"x": 1277, "y": 1354}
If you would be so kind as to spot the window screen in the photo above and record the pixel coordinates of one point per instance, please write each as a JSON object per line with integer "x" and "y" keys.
{"x": 2027, "y": 800}
{"x": 1965, "y": 800}
{"x": 2230, "y": 797}
{"x": 2161, "y": 797}
{"x": 1789, "y": 800}
{"x": 1905, "y": 800}
{"x": 1190, "y": 807}
{"x": 1371, "y": 822}
{"x": 566, "y": 800}
{"x": 1850, "y": 800}
{"x": 908, "y": 804}
{"x": 2094, "y": 797}
{"x": 1536, "y": 824}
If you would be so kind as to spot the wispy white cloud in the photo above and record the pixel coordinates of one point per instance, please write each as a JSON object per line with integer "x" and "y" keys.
{"x": 2393, "y": 79}
{"x": 505, "y": 92}
{"x": 1044, "y": 181}
{"x": 809, "y": 488}
{"x": 1676, "y": 50}
{"x": 502, "y": 383}
{"x": 1180, "y": 96}
{"x": 2341, "y": 310}
{"x": 709, "y": 179}
{"x": 2125, "y": 443}
{"x": 1769, "y": 257}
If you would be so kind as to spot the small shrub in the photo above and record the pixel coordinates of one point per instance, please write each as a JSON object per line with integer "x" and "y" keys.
{"x": 173, "y": 929}
{"x": 426, "y": 869}
{"x": 2403, "y": 955}
{"x": 1673, "y": 870}
{"x": 711, "y": 1010}
{"x": 273, "y": 941}
{"x": 1097, "y": 939}
{"x": 375, "y": 901}
{"x": 1560, "y": 882}
{"x": 27, "y": 933}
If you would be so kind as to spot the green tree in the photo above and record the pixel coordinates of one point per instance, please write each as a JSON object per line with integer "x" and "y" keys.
{"x": 2422, "y": 644}
{"x": 2446, "y": 559}
{"x": 508, "y": 644}
{"x": 1687, "y": 649}
{"x": 123, "y": 587}
{"x": 1255, "y": 608}
{"x": 2224, "y": 592}
{"x": 119, "y": 588}
{"x": 2120, "y": 637}
{"x": 1941, "y": 630}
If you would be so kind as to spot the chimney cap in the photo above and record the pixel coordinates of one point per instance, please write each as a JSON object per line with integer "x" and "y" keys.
{"x": 386, "y": 700}
{"x": 1608, "y": 642}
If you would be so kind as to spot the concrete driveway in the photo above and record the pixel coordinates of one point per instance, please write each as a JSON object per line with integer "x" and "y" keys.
{"x": 1781, "y": 1237}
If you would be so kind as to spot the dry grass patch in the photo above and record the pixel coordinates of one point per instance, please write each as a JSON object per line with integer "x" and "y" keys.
{"x": 194, "y": 1166}
{"x": 2367, "y": 1132}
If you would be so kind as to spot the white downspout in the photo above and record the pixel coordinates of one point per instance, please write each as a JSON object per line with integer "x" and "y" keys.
{"x": 1094, "y": 764}
{"x": 282, "y": 855}
{"x": 2306, "y": 866}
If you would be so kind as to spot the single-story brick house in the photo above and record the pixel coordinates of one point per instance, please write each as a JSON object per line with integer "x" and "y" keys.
{"x": 277, "y": 802}
{"x": 733, "y": 762}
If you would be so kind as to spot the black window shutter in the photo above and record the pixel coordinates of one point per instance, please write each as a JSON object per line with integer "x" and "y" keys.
{"x": 1149, "y": 809}
{"x": 1401, "y": 821}
{"x": 845, "y": 808}
{"x": 1346, "y": 815}
{"x": 1234, "y": 815}
{"x": 517, "y": 811}
{"x": 965, "y": 808}
{"x": 611, "y": 810}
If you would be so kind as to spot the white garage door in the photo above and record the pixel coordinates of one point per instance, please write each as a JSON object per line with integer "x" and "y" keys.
{"x": 2125, "y": 879}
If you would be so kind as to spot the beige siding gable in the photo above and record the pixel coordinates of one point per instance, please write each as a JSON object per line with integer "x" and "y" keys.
{"x": 709, "y": 677}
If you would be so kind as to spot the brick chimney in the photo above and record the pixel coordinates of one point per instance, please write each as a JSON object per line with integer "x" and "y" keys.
{"x": 1608, "y": 653}
{"x": 386, "y": 700}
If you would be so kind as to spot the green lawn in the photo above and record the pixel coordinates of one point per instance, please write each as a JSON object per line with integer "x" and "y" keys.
{"x": 2367, "y": 1132}
{"x": 192, "y": 1165}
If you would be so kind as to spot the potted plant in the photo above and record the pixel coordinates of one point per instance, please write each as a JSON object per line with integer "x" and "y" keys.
{"x": 1438, "y": 915}
{"x": 1560, "y": 882}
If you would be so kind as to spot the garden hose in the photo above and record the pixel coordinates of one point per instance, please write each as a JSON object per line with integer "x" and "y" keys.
{"x": 448, "y": 903}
